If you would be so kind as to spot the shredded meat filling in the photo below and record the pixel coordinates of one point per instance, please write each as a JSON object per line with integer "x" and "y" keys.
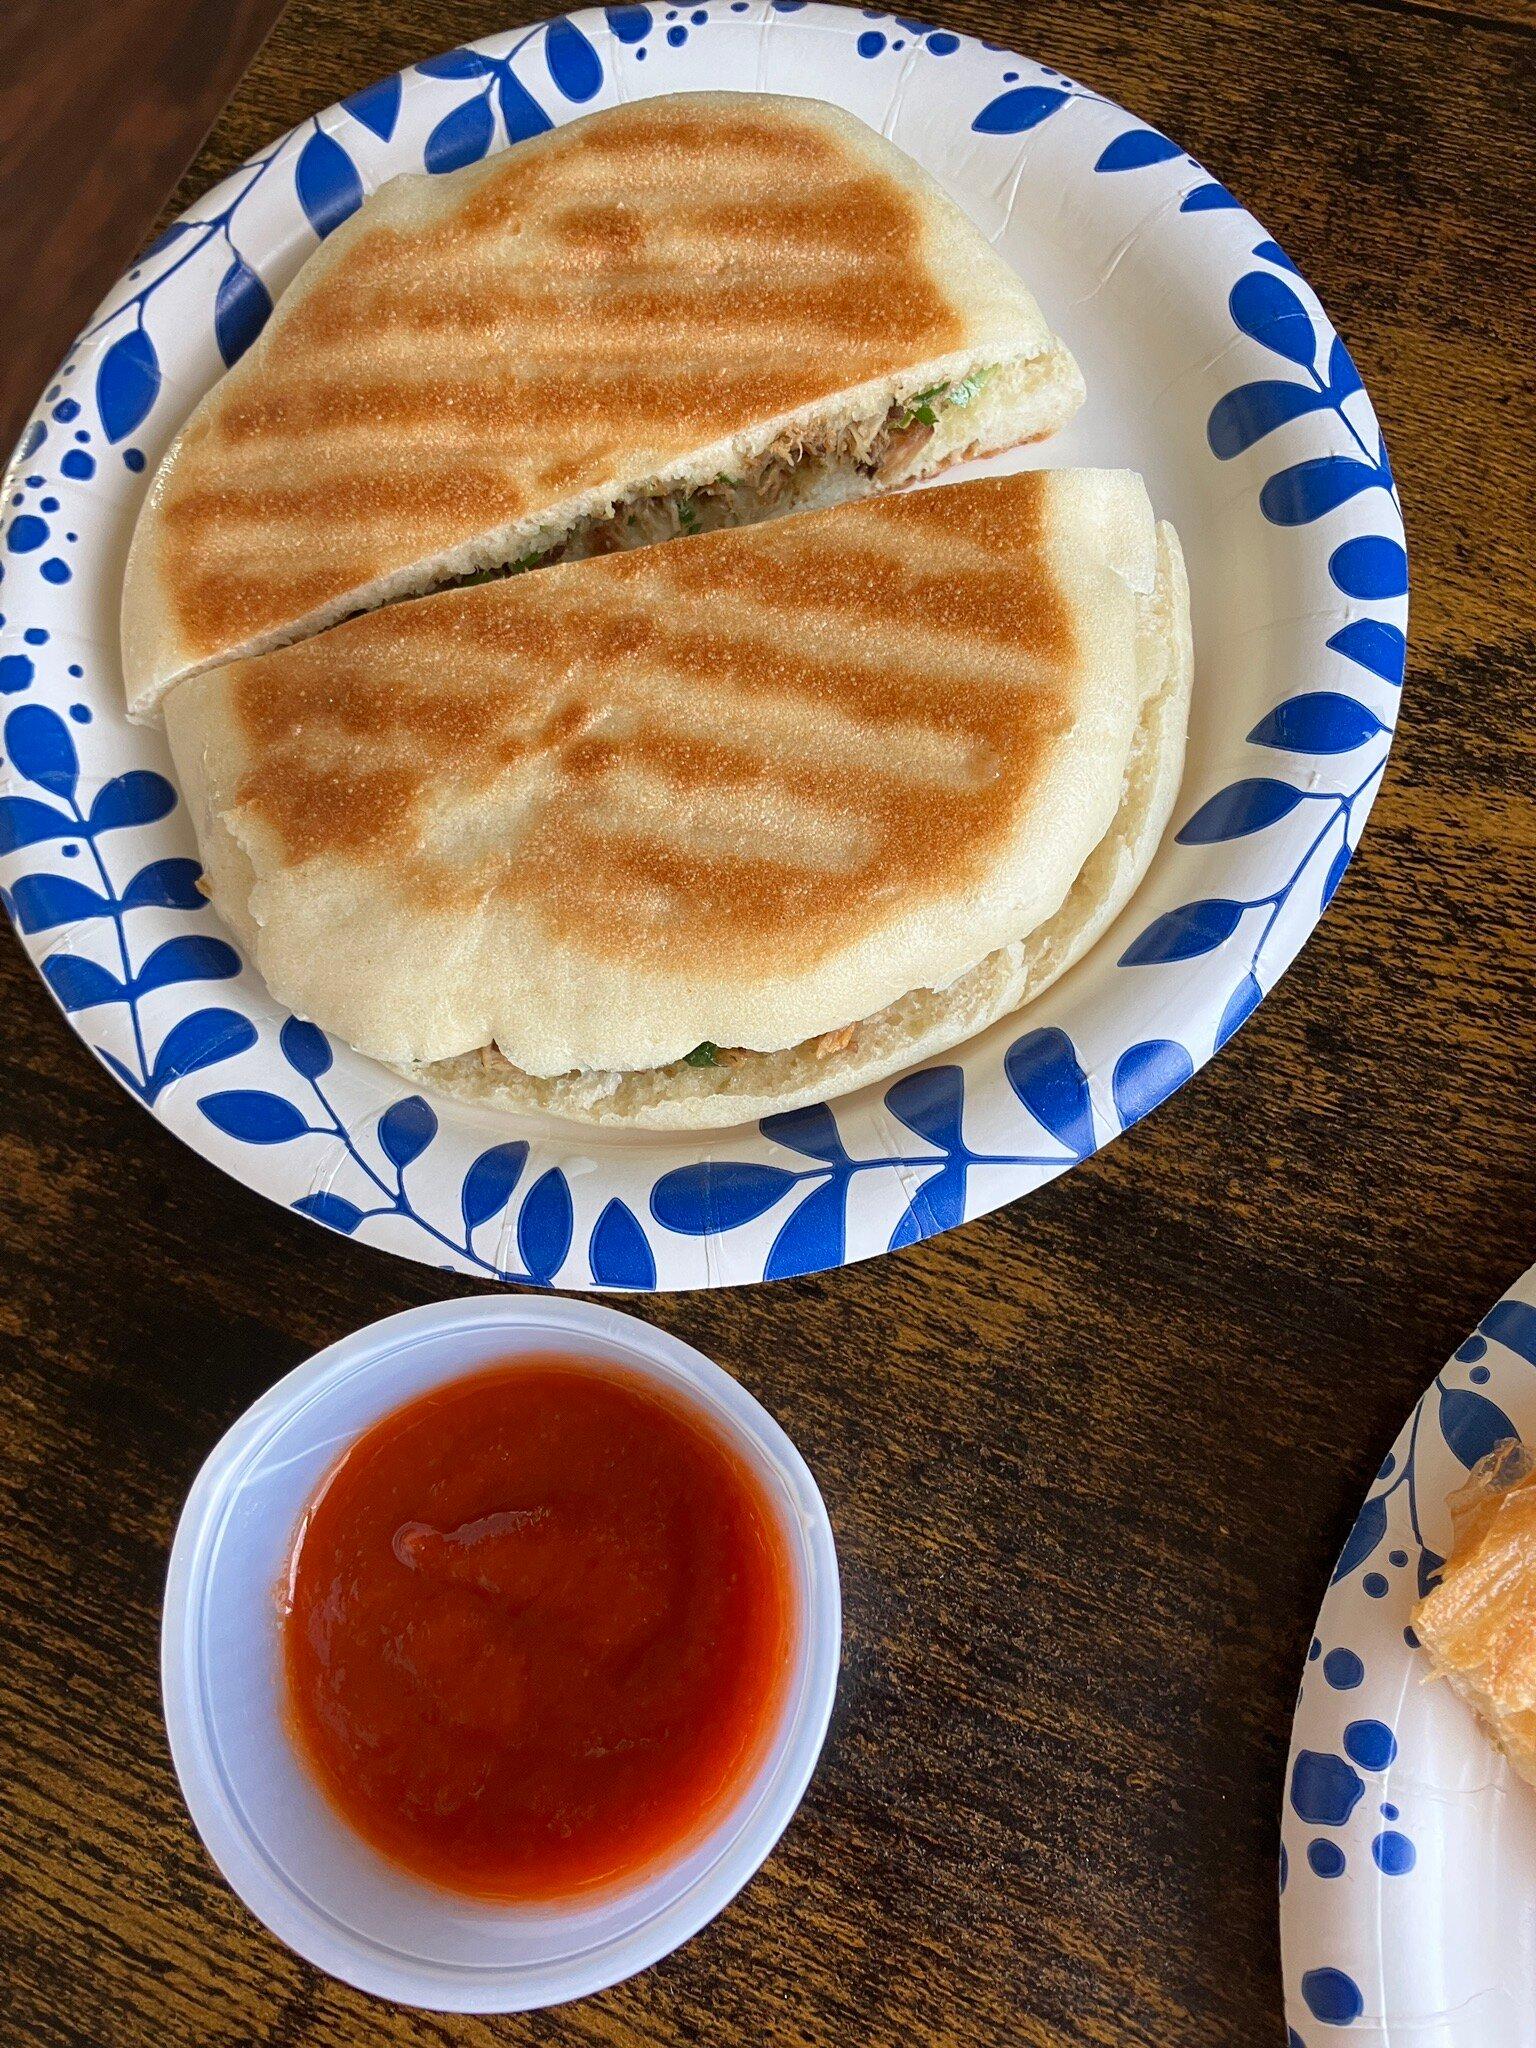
{"x": 880, "y": 447}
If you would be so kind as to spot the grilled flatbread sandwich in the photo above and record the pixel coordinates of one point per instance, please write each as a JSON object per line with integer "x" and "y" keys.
{"x": 686, "y": 313}
{"x": 689, "y": 834}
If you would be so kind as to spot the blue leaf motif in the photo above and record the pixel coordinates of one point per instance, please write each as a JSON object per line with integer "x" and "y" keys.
{"x": 812, "y": 1236}
{"x": 253, "y": 1116}
{"x": 1343, "y": 377}
{"x": 812, "y": 1130}
{"x": 240, "y": 311}
{"x": 938, "y": 1204}
{"x": 1146, "y": 1075}
{"x": 127, "y": 384}
{"x": 1370, "y": 566}
{"x": 717, "y": 1195}
{"x": 334, "y": 1211}
{"x": 1273, "y": 253}
{"x": 141, "y": 797}
{"x": 126, "y": 1075}
{"x": 1335, "y": 874}
{"x": 1185, "y": 933}
{"x": 26, "y": 822}
{"x": 456, "y": 64}
{"x": 1375, "y": 646}
{"x": 377, "y": 106}
{"x": 201, "y": 1040}
{"x": 520, "y": 111}
{"x": 619, "y": 1253}
{"x": 1026, "y": 106}
{"x": 1239, "y": 809}
{"x": 166, "y": 885}
{"x": 573, "y": 63}
{"x": 39, "y": 903}
{"x": 1472, "y": 1425}
{"x": 38, "y": 743}
{"x": 1250, "y": 412}
{"x": 1512, "y": 1324}
{"x": 1298, "y": 496}
{"x": 1208, "y": 198}
{"x": 1137, "y": 148}
{"x": 1045, "y": 1074}
{"x": 327, "y": 183}
{"x": 306, "y": 1048}
{"x": 81, "y": 984}
{"x": 1431, "y": 1564}
{"x": 931, "y": 1103}
{"x": 544, "y": 1226}
{"x": 1241, "y": 1004}
{"x": 1363, "y": 1539}
{"x": 164, "y": 239}
{"x": 189, "y": 958}
{"x": 406, "y": 1129}
{"x": 629, "y": 24}
{"x": 461, "y": 137}
{"x": 1270, "y": 313}
{"x": 1317, "y": 722}
{"x": 489, "y": 1183}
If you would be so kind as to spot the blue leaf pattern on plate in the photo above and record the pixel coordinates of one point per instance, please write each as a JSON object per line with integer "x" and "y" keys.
{"x": 490, "y": 1181}
{"x": 811, "y": 1238}
{"x": 1472, "y": 1425}
{"x": 306, "y": 1048}
{"x": 620, "y": 1254}
{"x": 1185, "y": 933}
{"x": 141, "y": 797}
{"x": 544, "y": 1227}
{"x": 40, "y": 903}
{"x": 1317, "y": 722}
{"x": 165, "y": 885}
{"x": 199, "y": 1040}
{"x": 327, "y": 182}
{"x": 1012, "y": 113}
{"x": 81, "y": 984}
{"x": 377, "y": 106}
{"x": 1146, "y": 1075}
{"x": 406, "y": 1129}
{"x": 127, "y": 384}
{"x": 520, "y": 111}
{"x": 254, "y": 1116}
{"x": 1046, "y": 1075}
{"x": 1241, "y": 808}
{"x": 334, "y": 1211}
{"x": 461, "y": 137}
{"x": 573, "y": 63}
{"x": 717, "y": 1195}
{"x": 191, "y": 957}
{"x": 1136, "y": 149}
{"x": 40, "y": 747}
{"x": 240, "y": 311}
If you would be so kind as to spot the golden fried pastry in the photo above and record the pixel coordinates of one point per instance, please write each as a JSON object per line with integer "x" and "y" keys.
{"x": 1478, "y": 1626}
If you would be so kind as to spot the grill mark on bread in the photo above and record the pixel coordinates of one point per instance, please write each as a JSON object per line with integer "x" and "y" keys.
{"x": 554, "y": 367}
{"x": 637, "y": 822}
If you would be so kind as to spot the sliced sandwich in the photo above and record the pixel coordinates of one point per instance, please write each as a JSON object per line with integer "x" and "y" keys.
{"x": 690, "y": 834}
{"x": 686, "y": 313}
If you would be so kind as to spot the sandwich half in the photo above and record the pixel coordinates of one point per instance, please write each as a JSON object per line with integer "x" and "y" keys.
{"x": 686, "y": 835}
{"x": 690, "y": 312}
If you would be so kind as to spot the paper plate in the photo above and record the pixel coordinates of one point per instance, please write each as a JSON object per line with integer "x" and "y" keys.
{"x": 1211, "y": 368}
{"x": 1408, "y": 1845}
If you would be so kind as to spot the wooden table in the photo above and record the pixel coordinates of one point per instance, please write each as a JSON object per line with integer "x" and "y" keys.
{"x": 1088, "y": 1460}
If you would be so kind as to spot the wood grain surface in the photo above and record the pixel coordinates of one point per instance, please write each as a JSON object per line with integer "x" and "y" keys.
{"x": 1088, "y": 1460}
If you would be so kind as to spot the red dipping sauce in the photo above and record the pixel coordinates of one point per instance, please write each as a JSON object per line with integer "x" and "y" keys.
{"x": 539, "y": 1630}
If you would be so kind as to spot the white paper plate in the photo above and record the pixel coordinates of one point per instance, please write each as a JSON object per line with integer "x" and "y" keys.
{"x": 1210, "y": 367}
{"x": 1408, "y": 1845}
